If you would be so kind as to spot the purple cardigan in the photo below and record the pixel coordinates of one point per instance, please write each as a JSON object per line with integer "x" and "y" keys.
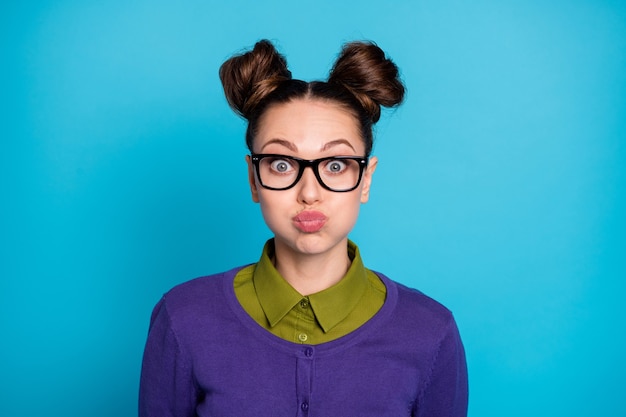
{"x": 205, "y": 356}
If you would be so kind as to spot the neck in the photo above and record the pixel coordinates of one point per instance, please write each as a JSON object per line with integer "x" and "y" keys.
{"x": 309, "y": 274}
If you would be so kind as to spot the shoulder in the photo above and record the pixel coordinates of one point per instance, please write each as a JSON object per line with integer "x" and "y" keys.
{"x": 418, "y": 310}
{"x": 202, "y": 294}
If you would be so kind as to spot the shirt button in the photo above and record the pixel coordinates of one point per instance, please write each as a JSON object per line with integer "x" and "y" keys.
{"x": 308, "y": 352}
{"x": 303, "y": 337}
{"x": 304, "y": 406}
{"x": 304, "y": 304}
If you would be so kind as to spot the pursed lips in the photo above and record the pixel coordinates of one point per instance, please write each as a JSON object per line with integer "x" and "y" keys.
{"x": 309, "y": 221}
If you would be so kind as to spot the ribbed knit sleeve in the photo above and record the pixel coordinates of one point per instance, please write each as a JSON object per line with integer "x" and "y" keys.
{"x": 166, "y": 385}
{"x": 446, "y": 392}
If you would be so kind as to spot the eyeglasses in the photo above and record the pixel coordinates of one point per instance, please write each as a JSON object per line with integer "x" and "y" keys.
{"x": 335, "y": 173}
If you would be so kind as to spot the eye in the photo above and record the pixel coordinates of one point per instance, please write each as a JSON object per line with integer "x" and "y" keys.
{"x": 336, "y": 166}
{"x": 281, "y": 166}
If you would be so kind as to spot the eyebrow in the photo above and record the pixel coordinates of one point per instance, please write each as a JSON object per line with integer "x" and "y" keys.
{"x": 294, "y": 148}
{"x": 337, "y": 142}
{"x": 282, "y": 142}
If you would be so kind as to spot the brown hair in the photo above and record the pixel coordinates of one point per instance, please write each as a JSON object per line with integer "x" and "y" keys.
{"x": 361, "y": 80}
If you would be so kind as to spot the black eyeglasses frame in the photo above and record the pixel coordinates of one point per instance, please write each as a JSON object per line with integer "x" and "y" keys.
{"x": 313, "y": 164}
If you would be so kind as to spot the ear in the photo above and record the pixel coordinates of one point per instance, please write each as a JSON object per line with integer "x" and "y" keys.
{"x": 367, "y": 179}
{"x": 252, "y": 180}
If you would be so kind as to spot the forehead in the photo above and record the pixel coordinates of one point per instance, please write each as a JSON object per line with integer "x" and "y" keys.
{"x": 309, "y": 125}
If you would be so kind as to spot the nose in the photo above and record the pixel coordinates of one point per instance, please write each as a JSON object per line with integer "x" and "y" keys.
{"x": 309, "y": 189}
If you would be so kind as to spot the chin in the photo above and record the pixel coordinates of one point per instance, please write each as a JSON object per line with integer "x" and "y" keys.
{"x": 314, "y": 244}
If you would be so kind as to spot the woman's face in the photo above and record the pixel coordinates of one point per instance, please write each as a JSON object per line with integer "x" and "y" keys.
{"x": 307, "y": 218}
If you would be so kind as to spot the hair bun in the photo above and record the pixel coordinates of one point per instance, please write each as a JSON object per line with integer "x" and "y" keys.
{"x": 249, "y": 77}
{"x": 373, "y": 79}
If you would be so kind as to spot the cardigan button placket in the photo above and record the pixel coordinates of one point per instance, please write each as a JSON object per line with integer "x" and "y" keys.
{"x": 304, "y": 375}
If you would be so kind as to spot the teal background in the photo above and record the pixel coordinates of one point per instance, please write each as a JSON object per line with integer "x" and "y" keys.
{"x": 499, "y": 192}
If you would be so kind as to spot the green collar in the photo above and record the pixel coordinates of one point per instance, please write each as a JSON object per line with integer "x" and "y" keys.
{"x": 330, "y": 306}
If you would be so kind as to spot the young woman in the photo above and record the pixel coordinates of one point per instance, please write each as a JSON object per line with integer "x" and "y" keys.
{"x": 307, "y": 330}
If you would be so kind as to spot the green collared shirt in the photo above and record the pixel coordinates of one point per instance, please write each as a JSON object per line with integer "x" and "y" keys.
{"x": 313, "y": 319}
